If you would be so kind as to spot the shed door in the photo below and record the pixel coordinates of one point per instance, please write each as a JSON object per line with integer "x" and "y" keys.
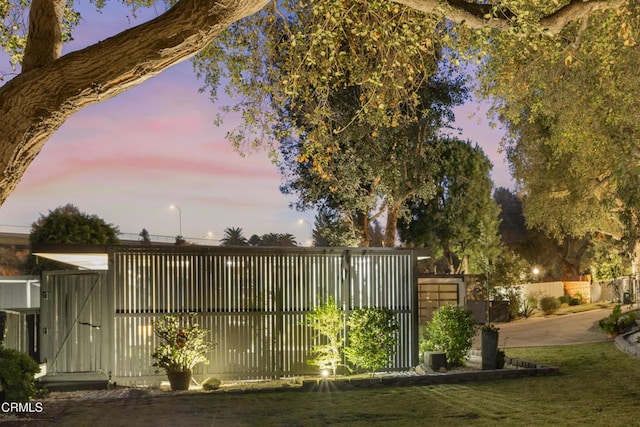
{"x": 73, "y": 308}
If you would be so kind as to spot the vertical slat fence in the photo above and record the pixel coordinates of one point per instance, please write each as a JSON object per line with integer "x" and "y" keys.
{"x": 254, "y": 302}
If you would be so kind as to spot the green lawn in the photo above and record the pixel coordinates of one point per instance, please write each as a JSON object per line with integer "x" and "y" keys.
{"x": 598, "y": 386}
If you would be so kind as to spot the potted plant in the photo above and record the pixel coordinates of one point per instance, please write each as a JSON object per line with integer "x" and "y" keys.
{"x": 489, "y": 350}
{"x": 183, "y": 345}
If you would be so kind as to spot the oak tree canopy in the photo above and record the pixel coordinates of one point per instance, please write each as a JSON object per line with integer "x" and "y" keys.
{"x": 50, "y": 87}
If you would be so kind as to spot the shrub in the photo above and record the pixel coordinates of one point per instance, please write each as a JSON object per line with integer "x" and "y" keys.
{"x": 577, "y": 299}
{"x": 327, "y": 320}
{"x": 549, "y": 305}
{"x": 528, "y": 306}
{"x": 17, "y": 372}
{"x": 617, "y": 322}
{"x": 373, "y": 336}
{"x": 451, "y": 330}
{"x": 565, "y": 299}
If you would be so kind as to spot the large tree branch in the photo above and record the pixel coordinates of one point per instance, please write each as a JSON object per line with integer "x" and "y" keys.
{"x": 35, "y": 104}
{"x": 44, "y": 41}
{"x": 473, "y": 14}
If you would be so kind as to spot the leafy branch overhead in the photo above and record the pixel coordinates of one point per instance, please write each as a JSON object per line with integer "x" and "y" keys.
{"x": 51, "y": 87}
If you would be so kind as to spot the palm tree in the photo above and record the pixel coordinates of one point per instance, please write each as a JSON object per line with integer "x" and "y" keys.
{"x": 287, "y": 239}
{"x": 233, "y": 237}
{"x": 278, "y": 239}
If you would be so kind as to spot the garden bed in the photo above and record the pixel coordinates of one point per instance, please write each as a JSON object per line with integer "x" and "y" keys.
{"x": 514, "y": 368}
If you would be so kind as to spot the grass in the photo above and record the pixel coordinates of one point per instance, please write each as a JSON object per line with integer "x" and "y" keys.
{"x": 598, "y": 385}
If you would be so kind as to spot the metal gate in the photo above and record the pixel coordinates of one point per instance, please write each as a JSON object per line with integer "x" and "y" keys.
{"x": 73, "y": 314}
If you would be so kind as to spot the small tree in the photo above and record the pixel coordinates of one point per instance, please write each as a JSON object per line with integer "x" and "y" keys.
{"x": 451, "y": 330}
{"x": 144, "y": 237}
{"x": 327, "y": 320}
{"x": 67, "y": 225}
{"x": 373, "y": 336}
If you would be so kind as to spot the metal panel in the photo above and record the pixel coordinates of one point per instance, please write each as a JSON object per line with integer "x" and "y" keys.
{"x": 18, "y": 331}
{"x": 254, "y": 302}
{"x": 72, "y": 314}
{"x": 19, "y": 292}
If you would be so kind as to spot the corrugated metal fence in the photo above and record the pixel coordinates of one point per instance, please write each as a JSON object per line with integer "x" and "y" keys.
{"x": 254, "y": 302}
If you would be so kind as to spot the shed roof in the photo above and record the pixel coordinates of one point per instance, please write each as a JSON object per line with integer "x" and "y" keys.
{"x": 96, "y": 257}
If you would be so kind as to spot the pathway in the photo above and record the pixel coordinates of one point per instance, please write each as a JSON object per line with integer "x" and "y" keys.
{"x": 576, "y": 328}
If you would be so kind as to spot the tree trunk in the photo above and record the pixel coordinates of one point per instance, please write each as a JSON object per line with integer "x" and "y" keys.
{"x": 36, "y": 103}
{"x": 363, "y": 225}
{"x": 392, "y": 225}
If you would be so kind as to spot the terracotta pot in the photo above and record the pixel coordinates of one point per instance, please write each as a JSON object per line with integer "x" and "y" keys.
{"x": 179, "y": 380}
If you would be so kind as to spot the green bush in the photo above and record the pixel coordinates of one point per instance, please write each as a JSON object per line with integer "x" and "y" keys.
{"x": 577, "y": 299}
{"x": 565, "y": 299}
{"x": 373, "y": 336}
{"x": 617, "y": 322}
{"x": 549, "y": 305}
{"x": 17, "y": 371}
{"x": 451, "y": 330}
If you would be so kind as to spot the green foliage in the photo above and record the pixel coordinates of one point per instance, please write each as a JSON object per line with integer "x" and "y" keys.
{"x": 509, "y": 269}
{"x": 234, "y": 236}
{"x": 608, "y": 261}
{"x": 328, "y": 322}
{"x": 564, "y": 299}
{"x": 355, "y": 88}
{"x": 183, "y": 343}
{"x": 568, "y": 103}
{"x": 549, "y": 305}
{"x": 67, "y": 224}
{"x": 372, "y": 337}
{"x": 574, "y": 300}
{"x": 618, "y": 322}
{"x": 462, "y": 218}
{"x": 305, "y": 51}
{"x": 14, "y": 26}
{"x": 330, "y": 229}
{"x": 528, "y": 305}
{"x": 144, "y": 237}
{"x": 17, "y": 371}
{"x": 355, "y": 192}
{"x": 451, "y": 330}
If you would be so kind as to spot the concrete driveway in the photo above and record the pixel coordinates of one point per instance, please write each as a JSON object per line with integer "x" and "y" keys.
{"x": 573, "y": 328}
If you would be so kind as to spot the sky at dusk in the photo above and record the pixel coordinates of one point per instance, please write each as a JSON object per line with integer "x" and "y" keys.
{"x": 129, "y": 158}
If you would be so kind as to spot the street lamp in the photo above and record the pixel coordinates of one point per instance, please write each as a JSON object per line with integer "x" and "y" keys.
{"x": 174, "y": 207}
{"x": 535, "y": 272}
{"x": 302, "y": 221}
